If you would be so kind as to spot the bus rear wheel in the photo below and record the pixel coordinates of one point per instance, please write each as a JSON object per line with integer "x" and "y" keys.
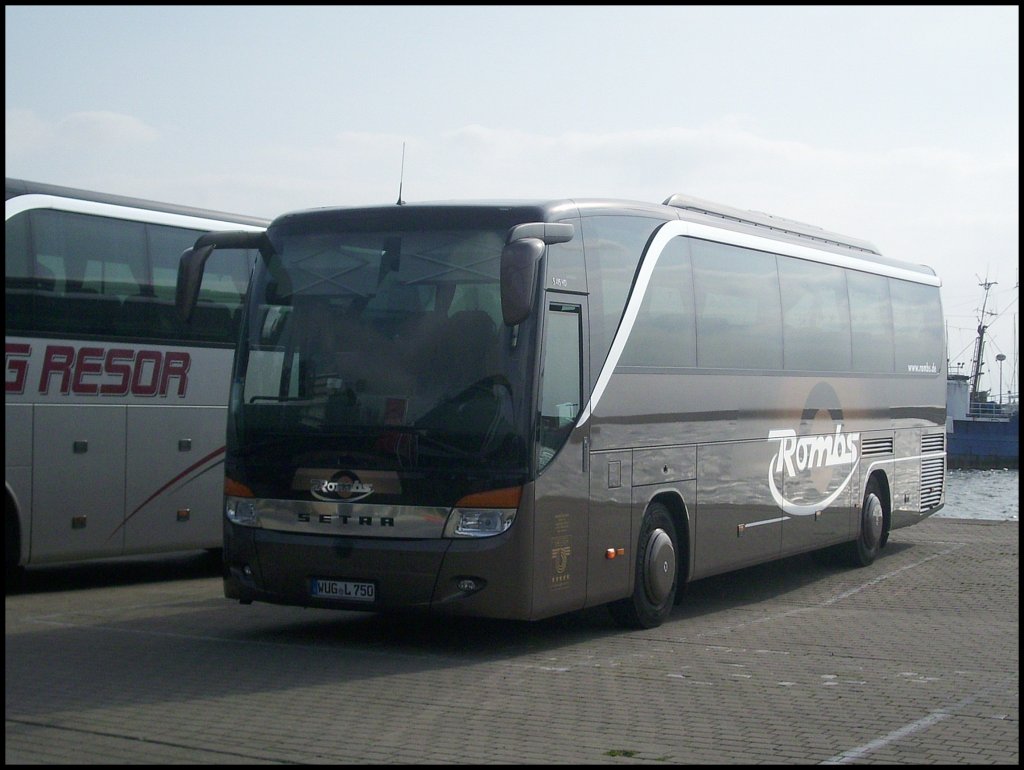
{"x": 655, "y": 580}
{"x": 864, "y": 550}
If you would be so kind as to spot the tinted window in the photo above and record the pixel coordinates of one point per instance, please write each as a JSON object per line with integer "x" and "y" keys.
{"x": 739, "y": 318}
{"x": 71, "y": 274}
{"x": 562, "y": 373}
{"x": 17, "y": 265}
{"x": 664, "y": 333}
{"x": 815, "y": 316}
{"x": 870, "y": 322}
{"x": 917, "y": 315}
{"x": 410, "y": 314}
{"x": 613, "y": 248}
{"x": 566, "y": 270}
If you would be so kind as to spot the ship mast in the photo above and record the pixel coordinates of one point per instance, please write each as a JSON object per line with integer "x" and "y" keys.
{"x": 979, "y": 345}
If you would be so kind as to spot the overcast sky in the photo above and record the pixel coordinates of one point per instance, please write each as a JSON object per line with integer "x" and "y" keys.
{"x": 896, "y": 125}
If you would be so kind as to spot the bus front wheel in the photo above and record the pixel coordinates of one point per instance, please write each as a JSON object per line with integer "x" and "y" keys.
{"x": 864, "y": 550}
{"x": 655, "y": 578}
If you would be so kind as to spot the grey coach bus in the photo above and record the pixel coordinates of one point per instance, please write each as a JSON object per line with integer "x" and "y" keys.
{"x": 519, "y": 409}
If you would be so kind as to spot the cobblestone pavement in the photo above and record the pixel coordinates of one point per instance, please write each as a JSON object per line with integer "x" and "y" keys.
{"x": 914, "y": 660}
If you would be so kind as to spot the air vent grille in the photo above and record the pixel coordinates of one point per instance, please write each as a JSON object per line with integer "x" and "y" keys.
{"x": 871, "y": 447}
{"x": 933, "y": 477}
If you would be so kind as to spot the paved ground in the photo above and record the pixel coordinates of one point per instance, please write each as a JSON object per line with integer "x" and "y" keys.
{"x": 914, "y": 660}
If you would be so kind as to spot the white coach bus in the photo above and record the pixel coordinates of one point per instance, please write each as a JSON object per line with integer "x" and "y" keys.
{"x": 114, "y": 411}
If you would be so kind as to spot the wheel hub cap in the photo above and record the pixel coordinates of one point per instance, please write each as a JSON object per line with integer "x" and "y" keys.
{"x": 661, "y": 566}
{"x": 873, "y": 520}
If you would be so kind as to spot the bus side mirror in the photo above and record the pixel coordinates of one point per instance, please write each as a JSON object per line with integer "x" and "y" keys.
{"x": 190, "y": 276}
{"x": 519, "y": 261}
{"x": 193, "y": 262}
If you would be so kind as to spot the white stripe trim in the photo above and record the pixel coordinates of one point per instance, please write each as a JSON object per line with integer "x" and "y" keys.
{"x": 922, "y": 457}
{"x": 78, "y": 206}
{"x": 674, "y": 228}
{"x": 785, "y": 248}
{"x": 765, "y": 521}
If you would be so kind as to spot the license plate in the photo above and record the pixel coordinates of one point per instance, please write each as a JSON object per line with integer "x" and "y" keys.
{"x": 347, "y": 590}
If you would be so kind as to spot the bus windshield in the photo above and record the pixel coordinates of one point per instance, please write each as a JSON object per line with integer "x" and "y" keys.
{"x": 380, "y": 349}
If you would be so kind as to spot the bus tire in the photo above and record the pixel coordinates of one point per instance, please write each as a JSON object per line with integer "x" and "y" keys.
{"x": 13, "y": 571}
{"x": 656, "y": 576}
{"x": 864, "y": 550}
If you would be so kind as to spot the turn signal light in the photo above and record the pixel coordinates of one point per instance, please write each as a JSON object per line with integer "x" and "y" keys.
{"x": 236, "y": 488}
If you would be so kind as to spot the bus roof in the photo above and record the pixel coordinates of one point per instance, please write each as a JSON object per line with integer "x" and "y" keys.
{"x": 674, "y": 207}
{"x": 18, "y": 187}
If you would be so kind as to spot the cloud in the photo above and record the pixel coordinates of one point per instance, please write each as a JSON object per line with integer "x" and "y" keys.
{"x": 105, "y": 128}
{"x": 29, "y": 134}
{"x": 25, "y": 132}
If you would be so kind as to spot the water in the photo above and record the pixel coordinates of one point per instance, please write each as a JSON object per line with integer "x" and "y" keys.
{"x": 977, "y": 494}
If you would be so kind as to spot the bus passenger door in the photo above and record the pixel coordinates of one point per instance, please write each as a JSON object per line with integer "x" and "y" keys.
{"x": 563, "y": 478}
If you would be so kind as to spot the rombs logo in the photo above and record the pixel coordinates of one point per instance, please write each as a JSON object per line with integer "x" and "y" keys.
{"x": 814, "y": 465}
{"x": 800, "y": 455}
{"x": 342, "y": 487}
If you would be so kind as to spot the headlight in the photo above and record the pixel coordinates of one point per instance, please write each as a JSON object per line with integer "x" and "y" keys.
{"x": 483, "y": 514}
{"x": 239, "y": 510}
{"x": 478, "y": 522}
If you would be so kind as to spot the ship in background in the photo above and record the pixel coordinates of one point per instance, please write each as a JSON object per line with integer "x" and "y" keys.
{"x": 980, "y": 432}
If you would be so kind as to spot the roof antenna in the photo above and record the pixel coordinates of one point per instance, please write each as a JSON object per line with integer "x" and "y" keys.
{"x": 401, "y": 177}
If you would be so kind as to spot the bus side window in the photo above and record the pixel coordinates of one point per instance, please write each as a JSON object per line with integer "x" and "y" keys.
{"x": 562, "y": 388}
{"x": 816, "y": 316}
{"x": 27, "y": 279}
{"x": 739, "y": 312}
